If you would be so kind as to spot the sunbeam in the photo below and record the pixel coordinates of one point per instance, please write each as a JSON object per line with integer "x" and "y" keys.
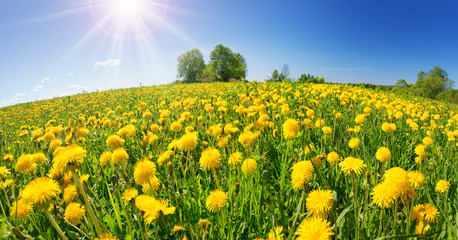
{"x": 128, "y": 19}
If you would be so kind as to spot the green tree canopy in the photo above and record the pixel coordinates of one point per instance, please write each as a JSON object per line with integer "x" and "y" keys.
{"x": 431, "y": 83}
{"x": 401, "y": 83}
{"x": 274, "y": 75}
{"x": 191, "y": 65}
{"x": 226, "y": 64}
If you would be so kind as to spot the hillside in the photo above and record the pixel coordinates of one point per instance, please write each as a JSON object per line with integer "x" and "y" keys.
{"x": 230, "y": 161}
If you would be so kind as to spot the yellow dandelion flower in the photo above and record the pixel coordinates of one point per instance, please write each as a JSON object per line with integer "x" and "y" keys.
{"x": 21, "y": 210}
{"x": 114, "y": 141}
{"x": 421, "y": 228}
{"x": 420, "y": 151}
{"x": 8, "y": 157}
{"x": 203, "y": 223}
{"x": 275, "y": 233}
{"x": 163, "y": 157}
{"x": 74, "y": 213}
{"x": 360, "y": 118}
{"x": 70, "y": 155}
{"x": 383, "y": 195}
{"x": 70, "y": 193}
{"x": 418, "y": 212}
{"x": 398, "y": 179}
{"x": 316, "y": 160}
{"x": 159, "y": 207}
{"x": 106, "y": 236}
{"x": 143, "y": 202}
{"x": 409, "y": 193}
{"x": 314, "y": 228}
{"x": 333, "y": 157}
{"x": 301, "y": 175}
{"x": 82, "y": 132}
{"x": 6, "y": 183}
{"x": 38, "y": 158}
{"x": 383, "y": 154}
{"x": 290, "y": 128}
{"x": 319, "y": 202}
{"x": 416, "y": 178}
{"x": 235, "y": 158}
{"x": 216, "y": 200}
{"x": 354, "y": 143}
{"x": 388, "y": 127}
{"x": 177, "y": 228}
{"x": 210, "y": 159}
{"x": 309, "y": 149}
{"x": 25, "y": 164}
{"x": 442, "y": 186}
{"x": 129, "y": 194}
{"x": 54, "y": 144}
{"x": 144, "y": 170}
{"x": 4, "y": 172}
{"x": 49, "y": 136}
{"x": 176, "y": 127}
{"x": 84, "y": 178}
{"x": 119, "y": 155}
{"x": 427, "y": 141}
{"x": 187, "y": 142}
{"x": 326, "y": 130}
{"x": 430, "y": 212}
{"x": 351, "y": 165}
{"x": 105, "y": 158}
{"x": 222, "y": 142}
{"x": 40, "y": 190}
{"x": 248, "y": 166}
{"x": 127, "y": 131}
{"x": 153, "y": 185}
{"x": 246, "y": 138}
{"x": 319, "y": 123}
{"x": 173, "y": 144}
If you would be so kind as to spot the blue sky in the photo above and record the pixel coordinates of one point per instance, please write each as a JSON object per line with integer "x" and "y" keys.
{"x": 53, "y": 48}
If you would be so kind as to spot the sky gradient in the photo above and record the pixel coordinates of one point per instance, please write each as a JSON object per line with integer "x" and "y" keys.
{"x": 52, "y": 48}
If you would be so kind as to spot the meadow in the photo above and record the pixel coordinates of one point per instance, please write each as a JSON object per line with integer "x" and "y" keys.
{"x": 230, "y": 161}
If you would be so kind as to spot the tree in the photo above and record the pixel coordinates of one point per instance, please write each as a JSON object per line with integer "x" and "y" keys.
{"x": 285, "y": 70}
{"x": 431, "y": 83}
{"x": 274, "y": 75}
{"x": 401, "y": 83}
{"x": 225, "y": 64}
{"x": 281, "y": 77}
{"x": 191, "y": 65}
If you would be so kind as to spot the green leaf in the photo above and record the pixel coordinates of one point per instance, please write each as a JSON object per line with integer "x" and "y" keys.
{"x": 110, "y": 221}
{"x": 339, "y": 221}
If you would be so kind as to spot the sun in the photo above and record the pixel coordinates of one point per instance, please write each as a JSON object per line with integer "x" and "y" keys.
{"x": 129, "y": 7}
{"x": 128, "y": 19}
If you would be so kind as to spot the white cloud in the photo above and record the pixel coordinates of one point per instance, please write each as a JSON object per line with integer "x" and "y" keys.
{"x": 108, "y": 63}
{"x": 45, "y": 80}
{"x": 70, "y": 74}
{"x": 37, "y": 88}
{"x": 20, "y": 95}
{"x": 77, "y": 87}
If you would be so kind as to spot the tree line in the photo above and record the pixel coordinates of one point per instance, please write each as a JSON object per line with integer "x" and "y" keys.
{"x": 434, "y": 84}
{"x": 284, "y": 74}
{"x": 224, "y": 65}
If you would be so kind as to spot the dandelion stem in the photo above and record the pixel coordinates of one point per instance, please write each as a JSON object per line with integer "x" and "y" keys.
{"x": 299, "y": 205}
{"x": 395, "y": 216}
{"x": 355, "y": 203}
{"x": 88, "y": 205}
{"x": 54, "y": 224}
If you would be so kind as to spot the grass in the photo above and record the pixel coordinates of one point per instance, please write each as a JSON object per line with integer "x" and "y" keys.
{"x": 261, "y": 204}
